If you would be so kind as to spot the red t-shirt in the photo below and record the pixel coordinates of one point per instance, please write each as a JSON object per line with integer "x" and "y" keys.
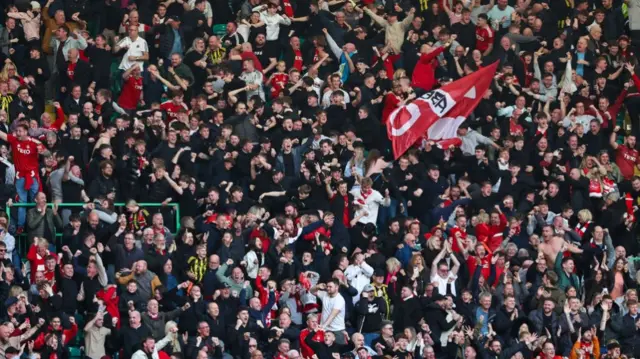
{"x": 484, "y": 38}
{"x": 25, "y": 155}
{"x": 626, "y": 159}
{"x": 172, "y": 109}
{"x": 130, "y": 94}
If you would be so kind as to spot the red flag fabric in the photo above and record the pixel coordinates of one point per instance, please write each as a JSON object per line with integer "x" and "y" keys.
{"x": 438, "y": 113}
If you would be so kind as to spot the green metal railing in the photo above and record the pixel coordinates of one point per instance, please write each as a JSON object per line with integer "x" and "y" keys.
{"x": 23, "y": 246}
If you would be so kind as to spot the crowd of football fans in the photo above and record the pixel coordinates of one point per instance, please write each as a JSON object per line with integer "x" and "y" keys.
{"x": 214, "y": 179}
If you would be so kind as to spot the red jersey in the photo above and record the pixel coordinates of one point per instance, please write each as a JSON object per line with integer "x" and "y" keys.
{"x": 297, "y": 59}
{"x": 626, "y": 159}
{"x": 485, "y": 262}
{"x": 305, "y": 350}
{"x": 484, "y": 38}
{"x": 172, "y": 109}
{"x": 277, "y": 84}
{"x": 424, "y": 75}
{"x": 35, "y": 261}
{"x": 25, "y": 155}
{"x": 492, "y": 235}
{"x": 71, "y": 70}
{"x": 391, "y": 102}
{"x": 454, "y": 241}
{"x": 130, "y": 95}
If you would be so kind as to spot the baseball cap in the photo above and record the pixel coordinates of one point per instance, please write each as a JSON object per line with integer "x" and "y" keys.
{"x": 368, "y": 288}
{"x": 10, "y": 301}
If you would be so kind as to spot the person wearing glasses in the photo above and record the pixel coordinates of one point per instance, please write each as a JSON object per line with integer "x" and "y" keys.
{"x": 7, "y": 245}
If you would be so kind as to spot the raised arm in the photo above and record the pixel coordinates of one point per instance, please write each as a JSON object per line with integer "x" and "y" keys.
{"x": 437, "y": 259}
{"x": 173, "y": 184}
{"x": 380, "y": 20}
{"x": 612, "y": 138}
{"x": 456, "y": 264}
{"x": 337, "y": 51}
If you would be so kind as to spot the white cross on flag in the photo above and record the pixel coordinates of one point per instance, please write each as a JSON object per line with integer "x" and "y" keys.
{"x": 438, "y": 113}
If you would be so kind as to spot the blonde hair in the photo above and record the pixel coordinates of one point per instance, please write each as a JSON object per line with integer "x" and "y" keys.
{"x": 175, "y": 344}
{"x": 483, "y": 217}
{"x": 400, "y": 73}
{"x": 585, "y": 215}
{"x": 16, "y": 291}
{"x": 4, "y": 75}
{"x": 393, "y": 263}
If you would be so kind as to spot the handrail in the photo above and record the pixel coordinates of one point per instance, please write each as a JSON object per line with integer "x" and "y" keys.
{"x": 119, "y": 204}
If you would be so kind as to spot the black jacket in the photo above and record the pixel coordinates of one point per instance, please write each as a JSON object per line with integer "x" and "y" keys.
{"x": 407, "y": 313}
{"x": 167, "y": 36}
{"x": 436, "y": 318}
{"x": 16, "y": 107}
{"x": 81, "y": 76}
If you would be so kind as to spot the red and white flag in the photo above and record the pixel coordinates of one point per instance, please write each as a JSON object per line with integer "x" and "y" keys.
{"x": 438, "y": 113}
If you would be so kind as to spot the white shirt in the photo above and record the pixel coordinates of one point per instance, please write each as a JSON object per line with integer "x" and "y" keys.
{"x": 135, "y": 48}
{"x": 443, "y": 283}
{"x": 584, "y": 120}
{"x": 359, "y": 277}
{"x": 272, "y": 23}
{"x": 371, "y": 205}
{"x": 253, "y": 78}
{"x": 326, "y": 98}
{"x": 253, "y": 264}
{"x": 328, "y": 305}
{"x": 140, "y": 354}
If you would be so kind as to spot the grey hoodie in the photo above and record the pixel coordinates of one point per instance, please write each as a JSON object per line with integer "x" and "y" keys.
{"x": 634, "y": 15}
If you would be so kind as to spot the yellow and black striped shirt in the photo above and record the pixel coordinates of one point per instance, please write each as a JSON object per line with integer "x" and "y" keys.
{"x": 424, "y": 5}
{"x": 198, "y": 267}
{"x": 5, "y": 101}
{"x": 217, "y": 56}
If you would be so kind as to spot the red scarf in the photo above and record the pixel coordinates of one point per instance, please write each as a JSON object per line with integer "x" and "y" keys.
{"x": 364, "y": 196}
{"x": 388, "y": 282}
{"x": 628, "y": 201}
{"x": 581, "y": 229}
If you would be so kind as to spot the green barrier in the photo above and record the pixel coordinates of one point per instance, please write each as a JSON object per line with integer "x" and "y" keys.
{"x": 20, "y": 244}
